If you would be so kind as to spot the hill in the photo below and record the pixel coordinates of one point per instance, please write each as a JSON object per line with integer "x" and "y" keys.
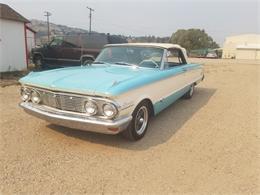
{"x": 56, "y": 29}
{"x": 59, "y": 30}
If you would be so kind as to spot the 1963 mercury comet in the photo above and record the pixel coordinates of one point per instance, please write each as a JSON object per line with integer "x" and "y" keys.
{"x": 118, "y": 93}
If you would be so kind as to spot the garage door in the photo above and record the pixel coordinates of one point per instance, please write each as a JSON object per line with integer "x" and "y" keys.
{"x": 246, "y": 54}
{"x": 258, "y": 54}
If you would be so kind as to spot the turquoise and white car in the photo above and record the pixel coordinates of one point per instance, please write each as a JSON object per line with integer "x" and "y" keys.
{"x": 125, "y": 86}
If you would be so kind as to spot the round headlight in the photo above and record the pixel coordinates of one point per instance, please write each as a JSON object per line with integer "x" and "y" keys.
{"x": 35, "y": 97}
{"x": 91, "y": 108}
{"x": 25, "y": 94}
{"x": 109, "y": 110}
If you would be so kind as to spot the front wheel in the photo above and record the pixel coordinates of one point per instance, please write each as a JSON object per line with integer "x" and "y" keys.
{"x": 139, "y": 124}
{"x": 39, "y": 63}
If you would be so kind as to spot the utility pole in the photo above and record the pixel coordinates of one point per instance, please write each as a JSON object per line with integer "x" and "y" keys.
{"x": 90, "y": 17}
{"x": 48, "y": 14}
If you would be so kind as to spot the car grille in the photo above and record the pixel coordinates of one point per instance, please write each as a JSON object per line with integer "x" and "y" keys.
{"x": 62, "y": 101}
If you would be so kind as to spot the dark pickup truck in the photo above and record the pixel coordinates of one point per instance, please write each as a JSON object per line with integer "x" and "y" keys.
{"x": 72, "y": 50}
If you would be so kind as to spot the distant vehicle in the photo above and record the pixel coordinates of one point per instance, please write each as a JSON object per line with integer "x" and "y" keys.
{"x": 203, "y": 53}
{"x": 212, "y": 55}
{"x": 72, "y": 50}
{"x": 118, "y": 93}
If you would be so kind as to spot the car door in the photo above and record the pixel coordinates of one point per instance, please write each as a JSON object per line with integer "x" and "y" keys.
{"x": 52, "y": 52}
{"x": 176, "y": 63}
{"x": 175, "y": 83}
{"x": 69, "y": 54}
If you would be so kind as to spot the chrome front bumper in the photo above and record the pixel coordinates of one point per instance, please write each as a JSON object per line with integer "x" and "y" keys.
{"x": 76, "y": 121}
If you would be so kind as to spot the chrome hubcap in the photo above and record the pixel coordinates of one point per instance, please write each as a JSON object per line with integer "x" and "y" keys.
{"x": 191, "y": 90}
{"x": 141, "y": 120}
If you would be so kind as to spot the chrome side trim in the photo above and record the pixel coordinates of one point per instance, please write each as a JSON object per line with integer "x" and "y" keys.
{"x": 76, "y": 121}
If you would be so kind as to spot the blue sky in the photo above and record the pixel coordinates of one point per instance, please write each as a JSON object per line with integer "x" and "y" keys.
{"x": 220, "y": 18}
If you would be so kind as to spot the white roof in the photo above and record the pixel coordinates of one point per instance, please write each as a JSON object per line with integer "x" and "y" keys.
{"x": 249, "y": 46}
{"x": 244, "y": 35}
{"x": 161, "y": 45}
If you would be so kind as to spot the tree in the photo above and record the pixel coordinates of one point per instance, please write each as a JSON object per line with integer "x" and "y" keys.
{"x": 193, "y": 39}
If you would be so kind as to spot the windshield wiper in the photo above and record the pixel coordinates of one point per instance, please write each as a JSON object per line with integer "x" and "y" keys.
{"x": 125, "y": 63}
{"x": 99, "y": 62}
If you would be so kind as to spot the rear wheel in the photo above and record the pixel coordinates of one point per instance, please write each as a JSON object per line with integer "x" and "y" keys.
{"x": 139, "y": 124}
{"x": 87, "y": 61}
{"x": 190, "y": 93}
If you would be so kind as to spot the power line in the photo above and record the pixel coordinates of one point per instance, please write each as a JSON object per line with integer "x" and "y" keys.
{"x": 48, "y": 14}
{"x": 90, "y": 17}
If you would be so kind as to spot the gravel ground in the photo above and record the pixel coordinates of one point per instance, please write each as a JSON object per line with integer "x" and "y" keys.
{"x": 209, "y": 144}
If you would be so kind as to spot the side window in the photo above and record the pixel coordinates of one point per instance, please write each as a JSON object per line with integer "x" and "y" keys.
{"x": 67, "y": 44}
{"x": 174, "y": 58}
{"x": 56, "y": 43}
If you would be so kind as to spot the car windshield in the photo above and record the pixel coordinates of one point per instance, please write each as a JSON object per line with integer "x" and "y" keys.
{"x": 130, "y": 55}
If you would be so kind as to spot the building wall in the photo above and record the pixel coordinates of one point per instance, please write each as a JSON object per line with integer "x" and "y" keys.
{"x": 12, "y": 46}
{"x": 1, "y": 45}
{"x": 231, "y": 43}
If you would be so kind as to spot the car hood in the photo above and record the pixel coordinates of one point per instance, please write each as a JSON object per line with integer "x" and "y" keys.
{"x": 94, "y": 80}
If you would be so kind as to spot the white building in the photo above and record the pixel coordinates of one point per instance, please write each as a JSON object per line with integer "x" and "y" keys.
{"x": 13, "y": 43}
{"x": 245, "y": 46}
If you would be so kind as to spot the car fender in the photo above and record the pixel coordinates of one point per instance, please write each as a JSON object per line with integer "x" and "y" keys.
{"x": 38, "y": 53}
{"x": 87, "y": 56}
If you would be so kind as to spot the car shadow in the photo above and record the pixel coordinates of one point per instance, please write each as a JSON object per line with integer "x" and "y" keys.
{"x": 162, "y": 127}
